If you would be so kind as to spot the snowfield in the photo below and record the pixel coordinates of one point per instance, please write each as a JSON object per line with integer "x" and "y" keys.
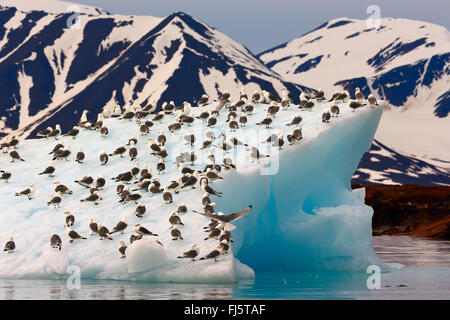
{"x": 305, "y": 215}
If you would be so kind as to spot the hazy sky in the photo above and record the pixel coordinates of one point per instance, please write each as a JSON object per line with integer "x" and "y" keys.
{"x": 263, "y": 24}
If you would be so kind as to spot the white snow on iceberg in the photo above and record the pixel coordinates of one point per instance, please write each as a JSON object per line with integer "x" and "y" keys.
{"x": 304, "y": 216}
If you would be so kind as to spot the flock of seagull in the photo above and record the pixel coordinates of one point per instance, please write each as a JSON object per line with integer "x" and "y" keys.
{"x": 175, "y": 117}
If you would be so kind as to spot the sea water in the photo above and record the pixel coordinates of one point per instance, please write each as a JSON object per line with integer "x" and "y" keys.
{"x": 424, "y": 274}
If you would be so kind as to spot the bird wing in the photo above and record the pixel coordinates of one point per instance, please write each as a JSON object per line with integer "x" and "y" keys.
{"x": 226, "y": 218}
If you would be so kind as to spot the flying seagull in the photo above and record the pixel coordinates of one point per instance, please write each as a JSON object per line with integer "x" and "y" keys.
{"x": 227, "y": 219}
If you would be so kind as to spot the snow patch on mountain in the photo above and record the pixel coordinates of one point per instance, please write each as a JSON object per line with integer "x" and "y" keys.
{"x": 404, "y": 62}
{"x": 52, "y": 6}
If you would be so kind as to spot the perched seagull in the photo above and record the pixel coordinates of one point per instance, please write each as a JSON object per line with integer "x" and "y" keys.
{"x": 85, "y": 181}
{"x": 10, "y": 246}
{"x": 70, "y": 219}
{"x": 334, "y": 111}
{"x": 254, "y": 153}
{"x": 122, "y": 248}
{"x": 320, "y": 95}
{"x": 203, "y": 100}
{"x": 256, "y": 97}
{"x": 73, "y": 235}
{"x": 372, "y": 100}
{"x": 297, "y": 119}
{"x": 103, "y": 158}
{"x": 45, "y": 132}
{"x": 175, "y": 220}
{"x": 269, "y": 97}
{"x": 143, "y": 231}
{"x": 62, "y": 153}
{"x": 119, "y": 151}
{"x": 326, "y": 116}
{"x": 55, "y": 133}
{"x": 266, "y": 122}
{"x": 104, "y": 131}
{"x": 104, "y": 233}
{"x": 214, "y": 254}
{"x": 175, "y": 233}
{"x": 355, "y": 105}
{"x": 80, "y": 156}
{"x": 206, "y": 188}
{"x": 27, "y": 192}
{"x": 50, "y": 170}
{"x": 93, "y": 198}
{"x": 140, "y": 210}
{"x": 6, "y": 175}
{"x": 84, "y": 122}
{"x": 61, "y": 188}
{"x": 56, "y": 242}
{"x": 73, "y": 132}
{"x": 14, "y": 154}
{"x": 93, "y": 226}
{"x": 55, "y": 201}
{"x": 359, "y": 95}
{"x": 191, "y": 254}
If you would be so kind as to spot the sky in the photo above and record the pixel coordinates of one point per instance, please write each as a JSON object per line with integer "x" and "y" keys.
{"x": 263, "y": 24}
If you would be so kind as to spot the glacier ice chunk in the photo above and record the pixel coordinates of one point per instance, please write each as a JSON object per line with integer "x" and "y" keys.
{"x": 145, "y": 254}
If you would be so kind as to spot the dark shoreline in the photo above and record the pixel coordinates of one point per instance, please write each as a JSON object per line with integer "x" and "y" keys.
{"x": 409, "y": 210}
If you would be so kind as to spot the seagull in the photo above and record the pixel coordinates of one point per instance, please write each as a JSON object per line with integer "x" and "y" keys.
{"x": 49, "y": 170}
{"x": 143, "y": 231}
{"x": 14, "y": 154}
{"x": 45, "y": 132}
{"x": 6, "y": 175}
{"x": 122, "y": 248}
{"x": 355, "y": 105}
{"x": 334, "y": 110}
{"x": 203, "y": 100}
{"x": 121, "y": 226}
{"x": 326, "y": 117}
{"x": 27, "y": 192}
{"x": 10, "y": 246}
{"x": 191, "y": 254}
{"x": 73, "y": 235}
{"x": 93, "y": 198}
{"x": 73, "y": 132}
{"x": 267, "y": 121}
{"x": 227, "y": 218}
{"x": 119, "y": 151}
{"x": 359, "y": 95}
{"x": 372, "y": 100}
{"x": 62, "y": 153}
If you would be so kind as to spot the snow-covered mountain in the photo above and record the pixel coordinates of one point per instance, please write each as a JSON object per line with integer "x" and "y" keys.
{"x": 53, "y": 71}
{"x": 404, "y": 62}
{"x": 384, "y": 165}
{"x": 394, "y": 62}
{"x": 54, "y": 6}
{"x": 52, "y": 68}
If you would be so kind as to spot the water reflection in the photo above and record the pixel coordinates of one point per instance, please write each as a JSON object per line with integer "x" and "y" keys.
{"x": 426, "y": 277}
{"x": 413, "y": 251}
{"x": 9, "y": 291}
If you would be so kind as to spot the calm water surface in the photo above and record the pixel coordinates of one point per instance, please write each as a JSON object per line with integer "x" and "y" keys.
{"x": 426, "y": 275}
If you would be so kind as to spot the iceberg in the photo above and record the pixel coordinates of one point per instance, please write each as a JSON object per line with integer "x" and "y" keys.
{"x": 304, "y": 214}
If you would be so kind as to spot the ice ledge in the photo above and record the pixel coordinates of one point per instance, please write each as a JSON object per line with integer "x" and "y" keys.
{"x": 306, "y": 216}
